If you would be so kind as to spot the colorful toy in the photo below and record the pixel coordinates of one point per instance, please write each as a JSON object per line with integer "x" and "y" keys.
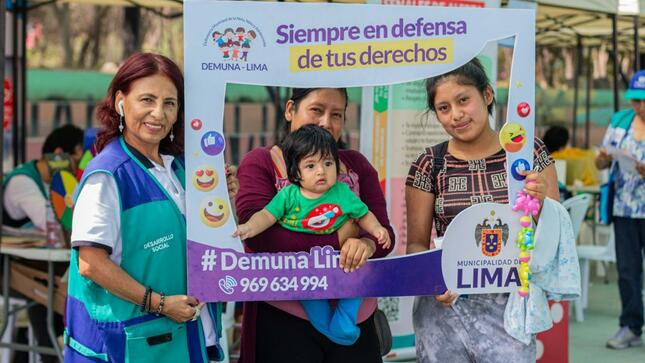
{"x": 526, "y": 203}
{"x": 61, "y": 194}
{"x": 89, "y": 151}
{"x": 530, "y": 206}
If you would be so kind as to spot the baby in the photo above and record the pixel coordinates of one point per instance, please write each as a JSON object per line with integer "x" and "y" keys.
{"x": 315, "y": 203}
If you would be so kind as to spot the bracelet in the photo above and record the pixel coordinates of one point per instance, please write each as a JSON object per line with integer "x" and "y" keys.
{"x": 149, "y": 306}
{"x": 162, "y": 300}
{"x": 146, "y": 295}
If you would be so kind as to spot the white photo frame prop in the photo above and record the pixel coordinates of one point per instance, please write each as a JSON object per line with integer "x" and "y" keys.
{"x": 327, "y": 45}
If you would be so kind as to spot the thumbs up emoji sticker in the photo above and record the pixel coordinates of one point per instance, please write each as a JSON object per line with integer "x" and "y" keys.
{"x": 212, "y": 143}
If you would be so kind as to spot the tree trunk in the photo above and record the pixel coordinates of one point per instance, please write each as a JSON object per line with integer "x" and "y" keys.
{"x": 62, "y": 14}
{"x": 97, "y": 35}
{"x": 132, "y": 31}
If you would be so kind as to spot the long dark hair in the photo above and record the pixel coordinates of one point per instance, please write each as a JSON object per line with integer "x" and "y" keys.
{"x": 307, "y": 140}
{"x": 470, "y": 74}
{"x": 137, "y": 66}
{"x": 299, "y": 94}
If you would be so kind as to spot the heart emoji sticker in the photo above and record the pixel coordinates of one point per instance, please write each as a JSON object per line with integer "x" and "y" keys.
{"x": 523, "y": 109}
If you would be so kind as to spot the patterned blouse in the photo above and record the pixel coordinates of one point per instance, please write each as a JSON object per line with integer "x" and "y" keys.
{"x": 462, "y": 183}
{"x": 629, "y": 200}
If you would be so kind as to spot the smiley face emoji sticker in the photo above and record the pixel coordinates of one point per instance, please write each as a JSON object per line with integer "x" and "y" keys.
{"x": 214, "y": 212}
{"x": 512, "y": 137}
{"x": 205, "y": 178}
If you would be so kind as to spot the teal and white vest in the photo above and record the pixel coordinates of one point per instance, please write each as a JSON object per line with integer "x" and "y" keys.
{"x": 104, "y": 327}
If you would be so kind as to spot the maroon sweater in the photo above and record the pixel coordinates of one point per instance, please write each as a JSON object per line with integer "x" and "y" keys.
{"x": 257, "y": 178}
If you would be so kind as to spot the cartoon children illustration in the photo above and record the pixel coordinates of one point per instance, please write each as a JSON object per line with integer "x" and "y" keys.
{"x": 236, "y": 50}
{"x": 217, "y": 38}
{"x": 246, "y": 45}
{"x": 227, "y": 42}
{"x": 239, "y": 32}
{"x": 228, "y": 35}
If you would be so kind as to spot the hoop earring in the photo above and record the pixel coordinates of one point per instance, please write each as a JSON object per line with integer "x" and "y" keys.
{"x": 121, "y": 124}
{"x": 172, "y": 135}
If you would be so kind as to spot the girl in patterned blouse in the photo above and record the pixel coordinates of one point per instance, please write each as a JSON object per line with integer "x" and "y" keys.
{"x": 470, "y": 328}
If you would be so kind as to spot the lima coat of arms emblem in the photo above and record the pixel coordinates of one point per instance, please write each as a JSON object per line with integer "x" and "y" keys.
{"x": 491, "y": 238}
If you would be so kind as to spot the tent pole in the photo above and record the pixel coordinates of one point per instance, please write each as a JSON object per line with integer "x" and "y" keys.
{"x": 23, "y": 83}
{"x": 3, "y": 24}
{"x": 614, "y": 46}
{"x": 637, "y": 52}
{"x": 588, "y": 96}
{"x": 576, "y": 84}
{"x": 15, "y": 138}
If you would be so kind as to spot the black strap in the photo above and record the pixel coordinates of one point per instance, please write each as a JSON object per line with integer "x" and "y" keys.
{"x": 439, "y": 152}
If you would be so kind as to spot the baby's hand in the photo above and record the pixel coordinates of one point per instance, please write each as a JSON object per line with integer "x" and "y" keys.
{"x": 383, "y": 237}
{"x": 243, "y": 231}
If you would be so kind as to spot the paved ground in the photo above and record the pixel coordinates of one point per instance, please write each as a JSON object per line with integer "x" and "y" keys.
{"x": 587, "y": 339}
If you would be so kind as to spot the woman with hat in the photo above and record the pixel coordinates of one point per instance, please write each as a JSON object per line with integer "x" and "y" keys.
{"x": 626, "y": 134}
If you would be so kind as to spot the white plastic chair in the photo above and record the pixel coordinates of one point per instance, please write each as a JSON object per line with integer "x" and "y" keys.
{"x": 606, "y": 253}
{"x": 577, "y": 207}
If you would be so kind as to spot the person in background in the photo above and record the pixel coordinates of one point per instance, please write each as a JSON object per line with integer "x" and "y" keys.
{"x": 25, "y": 203}
{"x": 556, "y": 138}
{"x": 472, "y": 327}
{"x": 279, "y": 331}
{"x": 26, "y": 188}
{"x": 626, "y": 134}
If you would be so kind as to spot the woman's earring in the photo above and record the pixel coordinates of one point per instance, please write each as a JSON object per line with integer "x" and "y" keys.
{"x": 172, "y": 135}
{"x": 121, "y": 113}
{"x": 121, "y": 124}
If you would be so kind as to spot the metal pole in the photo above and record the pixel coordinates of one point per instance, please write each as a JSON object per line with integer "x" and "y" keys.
{"x": 3, "y": 24}
{"x": 22, "y": 105}
{"x": 50, "y": 309}
{"x": 637, "y": 51}
{"x": 588, "y": 97}
{"x": 15, "y": 138}
{"x": 576, "y": 84}
{"x": 614, "y": 46}
{"x": 5, "y": 291}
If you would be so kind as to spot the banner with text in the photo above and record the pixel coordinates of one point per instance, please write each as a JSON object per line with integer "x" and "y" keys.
{"x": 326, "y": 45}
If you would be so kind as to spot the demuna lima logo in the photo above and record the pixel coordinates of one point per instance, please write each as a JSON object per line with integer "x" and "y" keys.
{"x": 235, "y": 42}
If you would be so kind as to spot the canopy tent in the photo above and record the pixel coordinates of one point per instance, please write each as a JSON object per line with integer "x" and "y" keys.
{"x": 558, "y": 26}
{"x": 587, "y": 24}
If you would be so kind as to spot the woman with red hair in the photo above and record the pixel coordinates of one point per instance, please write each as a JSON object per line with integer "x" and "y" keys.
{"x": 127, "y": 286}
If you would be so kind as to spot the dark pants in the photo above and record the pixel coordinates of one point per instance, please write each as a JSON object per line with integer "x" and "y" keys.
{"x": 282, "y": 337}
{"x": 630, "y": 241}
{"x": 38, "y": 320}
